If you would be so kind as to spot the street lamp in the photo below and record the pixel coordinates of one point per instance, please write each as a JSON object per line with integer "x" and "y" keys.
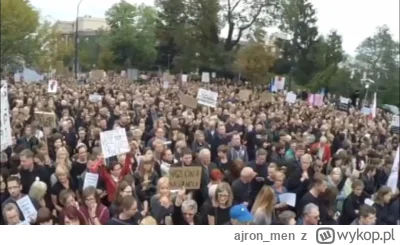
{"x": 76, "y": 39}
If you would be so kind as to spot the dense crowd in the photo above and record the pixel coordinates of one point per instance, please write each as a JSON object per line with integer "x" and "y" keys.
{"x": 262, "y": 162}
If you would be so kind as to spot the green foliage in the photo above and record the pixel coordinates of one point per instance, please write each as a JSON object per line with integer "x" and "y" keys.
{"x": 132, "y": 34}
{"x": 379, "y": 57}
{"x": 253, "y": 61}
{"x": 299, "y": 19}
{"x": 50, "y": 48}
{"x": 19, "y": 21}
{"x": 186, "y": 36}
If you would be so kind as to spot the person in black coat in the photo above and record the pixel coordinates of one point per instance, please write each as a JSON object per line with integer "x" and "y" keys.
{"x": 215, "y": 138}
{"x": 368, "y": 178}
{"x": 381, "y": 205}
{"x": 352, "y": 203}
{"x": 394, "y": 208}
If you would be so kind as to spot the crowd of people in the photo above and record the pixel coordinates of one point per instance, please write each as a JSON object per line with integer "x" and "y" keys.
{"x": 251, "y": 152}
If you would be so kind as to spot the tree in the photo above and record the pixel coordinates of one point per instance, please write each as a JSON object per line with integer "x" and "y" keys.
{"x": 379, "y": 57}
{"x": 254, "y": 62}
{"x": 51, "y": 47}
{"x": 328, "y": 54}
{"x": 241, "y": 15}
{"x": 299, "y": 19}
{"x": 132, "y": 34}
{"x": 170, "y": 29}
{"x": 19, "y": 21}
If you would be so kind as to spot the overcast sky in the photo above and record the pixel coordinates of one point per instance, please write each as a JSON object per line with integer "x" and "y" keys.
{"x": 353, "y": 19}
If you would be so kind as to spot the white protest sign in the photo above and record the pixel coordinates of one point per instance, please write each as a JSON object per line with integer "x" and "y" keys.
{"x": 165, "y": 84}
{"x": 318, "y": 100}
{"x": 344, "y": 100}
{"x": 207, "y": 98}
{"x": 394, "y": 174}
{"x": 288, "y": 198}
{"x": 52, "y": 86}
{"x": 395, "y": 121}
{"x": 205, "y": 77}
{"x": 184, "y": 78}
{"x": 279, "y": 82}
{"x": 26, "y": 206}
{"x": 291, "y": 97}
{"x": 91, "y": 179}
{"x": 366, "y": 111}
{"x": 5, "y": 127}
{"x": 114, "y": 142}
{"x": 17, "y": 77}
{"x": 95, "y": 98}
{"x": 213, "y": 75}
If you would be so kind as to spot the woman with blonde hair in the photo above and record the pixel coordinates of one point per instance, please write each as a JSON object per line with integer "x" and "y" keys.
{"x": 263, "y": 208}
{"x": 161, "y": 203}
{"x": 381, "y": 205}
{"x": 38, "y": 191}
{"x": 148, "y": 221}
{"x": 218, "y": 213}
{"x": 64, "y": 181}
{"x": 62, "y": 158}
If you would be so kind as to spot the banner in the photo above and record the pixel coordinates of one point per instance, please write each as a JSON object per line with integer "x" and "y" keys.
{"x": 5, "y": 127}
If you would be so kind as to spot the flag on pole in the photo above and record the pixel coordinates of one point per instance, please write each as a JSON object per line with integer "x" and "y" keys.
{"x": 394, "y": 174}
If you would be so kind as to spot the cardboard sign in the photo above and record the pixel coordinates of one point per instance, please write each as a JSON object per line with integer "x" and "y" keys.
{"x": 97, "y": 74}
{"x": 168, "y": 77}
{"x": 46, "y": 119}
{"x": 244, "y": 94}
{"x": 188, "y": 101}
{"x": 267, "y": 97}
{"x": 188, "y": 177}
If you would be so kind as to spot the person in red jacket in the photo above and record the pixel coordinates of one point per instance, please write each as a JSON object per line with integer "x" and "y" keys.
{"x": 116, "y": 172}
{"x": 323, "y": 150}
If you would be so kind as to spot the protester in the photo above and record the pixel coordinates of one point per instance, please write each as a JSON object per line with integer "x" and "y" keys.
{"x": 242, "y": 159}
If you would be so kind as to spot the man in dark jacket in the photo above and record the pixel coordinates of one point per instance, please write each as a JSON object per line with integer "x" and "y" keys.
{"x": 215, "y": 139}
{"x": 30, "y": 172}
{"x": 366, "y": 216}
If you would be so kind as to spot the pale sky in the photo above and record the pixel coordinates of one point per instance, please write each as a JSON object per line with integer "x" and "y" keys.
{"x": 353, "y": 19}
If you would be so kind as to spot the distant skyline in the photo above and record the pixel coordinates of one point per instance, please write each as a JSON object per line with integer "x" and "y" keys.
{"x": 355, "y": 20}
